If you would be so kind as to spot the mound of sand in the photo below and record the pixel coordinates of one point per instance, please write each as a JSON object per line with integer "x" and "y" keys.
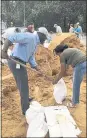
{"x": 58, "y": 39}
{"x": 70, "y": 39}
{"x": 73, "y": 42}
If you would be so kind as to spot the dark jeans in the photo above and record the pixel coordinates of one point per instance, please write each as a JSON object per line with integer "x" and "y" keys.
{"x": 21, "y": 78}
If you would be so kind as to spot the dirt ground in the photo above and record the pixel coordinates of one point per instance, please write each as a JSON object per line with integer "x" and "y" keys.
{"x": 13, "y": 122}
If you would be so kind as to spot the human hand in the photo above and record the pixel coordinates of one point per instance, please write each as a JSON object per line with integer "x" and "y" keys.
{"x": 39, "y": 71}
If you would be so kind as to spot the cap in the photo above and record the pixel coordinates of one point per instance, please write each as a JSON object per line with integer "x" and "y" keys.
{"x": 43, "y": 30}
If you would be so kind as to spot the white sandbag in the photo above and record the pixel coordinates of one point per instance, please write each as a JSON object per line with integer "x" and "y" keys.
{"x": 53, "y": 126}
{"x": 60, "y": 91}
{"x": 36, "y": 119}
{"x": 37, "y": 127}
{"x": 60, "y": 122}
{"x": 33, "y": 111}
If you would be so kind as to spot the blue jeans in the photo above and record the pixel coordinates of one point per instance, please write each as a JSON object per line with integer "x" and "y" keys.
{"x": 78, "y": 74}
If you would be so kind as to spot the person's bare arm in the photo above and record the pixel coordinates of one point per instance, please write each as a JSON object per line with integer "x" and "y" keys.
{"x": 7, "y": 44}
{"x": 61, "y": 73}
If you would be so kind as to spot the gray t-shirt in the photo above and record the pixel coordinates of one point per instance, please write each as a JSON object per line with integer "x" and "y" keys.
{"x": 72, "y": 56}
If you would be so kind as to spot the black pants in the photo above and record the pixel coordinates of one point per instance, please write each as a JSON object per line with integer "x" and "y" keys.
{"x": 21, "y": 78}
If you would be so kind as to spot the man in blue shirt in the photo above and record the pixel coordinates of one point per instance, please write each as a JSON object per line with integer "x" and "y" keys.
{"x": 77, "y": 31}
{"x": 23, "y": 51}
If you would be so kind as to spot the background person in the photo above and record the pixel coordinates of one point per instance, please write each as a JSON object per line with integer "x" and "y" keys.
{"x": 81, "y": 32}
{"x": 77, "y": 31}
{"x": 49, "y": 38}
{"x": 31, "y": 28}
{"x": 71, "y": 29}
{"x": 58, "y": 28}
{"x": 78, "y": 24}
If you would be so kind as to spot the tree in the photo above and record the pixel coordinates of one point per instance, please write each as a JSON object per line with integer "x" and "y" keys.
{"x": 45, "y": 12}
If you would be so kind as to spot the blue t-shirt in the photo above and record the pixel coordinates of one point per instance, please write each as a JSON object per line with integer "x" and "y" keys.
{"x": 77, "y": 31}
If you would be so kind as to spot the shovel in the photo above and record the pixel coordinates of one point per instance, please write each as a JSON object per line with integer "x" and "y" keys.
{"x": 23, "y": 65}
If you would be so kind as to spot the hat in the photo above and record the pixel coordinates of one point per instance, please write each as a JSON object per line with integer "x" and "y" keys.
{"x": 43, "y": 30}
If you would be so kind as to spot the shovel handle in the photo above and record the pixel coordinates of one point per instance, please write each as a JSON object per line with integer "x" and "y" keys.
{"x": 23, "y": 65}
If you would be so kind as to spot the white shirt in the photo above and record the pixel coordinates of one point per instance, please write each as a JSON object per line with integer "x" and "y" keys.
{"x": 71, "y": 30}
{"x": 58, "y": 29}
{"x": 8, "y": 32}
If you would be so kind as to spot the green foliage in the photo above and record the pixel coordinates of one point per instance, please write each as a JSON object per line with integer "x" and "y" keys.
{"x": 45, "y": 12}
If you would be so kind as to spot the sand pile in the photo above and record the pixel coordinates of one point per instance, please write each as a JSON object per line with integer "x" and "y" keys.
{"x": 5, "y": 71}
{"x": 58, "y": 39}
{"x": 73, "y": 42}
{"x": 47, "y": 61}
{"x": 13, "y": 123}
